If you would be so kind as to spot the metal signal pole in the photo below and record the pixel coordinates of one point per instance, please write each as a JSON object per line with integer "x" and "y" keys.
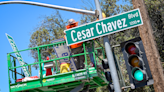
{"x": 109, "y": 54}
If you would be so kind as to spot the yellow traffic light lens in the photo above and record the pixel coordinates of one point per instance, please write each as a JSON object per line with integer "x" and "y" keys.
{"x": 134, "y": 61}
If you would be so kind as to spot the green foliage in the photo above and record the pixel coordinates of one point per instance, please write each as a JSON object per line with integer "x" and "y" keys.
{"x": 50, "y": 29}
{"x": 156, "y": 14}
{"x": 109, "y": 7}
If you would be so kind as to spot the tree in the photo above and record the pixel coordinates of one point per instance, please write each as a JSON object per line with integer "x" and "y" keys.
{"x": 51, "y": 28}
{"x": 156, "y": 14}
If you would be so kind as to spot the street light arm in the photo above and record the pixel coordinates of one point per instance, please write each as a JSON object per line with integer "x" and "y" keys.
{"x": 51, "y": 6}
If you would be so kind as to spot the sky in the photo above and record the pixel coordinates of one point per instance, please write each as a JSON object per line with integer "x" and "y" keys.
{"x": 19, "y": 20}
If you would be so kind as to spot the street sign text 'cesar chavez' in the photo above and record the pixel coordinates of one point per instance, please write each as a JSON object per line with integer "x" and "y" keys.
{"x": 104, "y": 27}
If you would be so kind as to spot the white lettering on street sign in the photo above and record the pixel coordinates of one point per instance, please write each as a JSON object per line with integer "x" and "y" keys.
{"x": 103, "y": 27}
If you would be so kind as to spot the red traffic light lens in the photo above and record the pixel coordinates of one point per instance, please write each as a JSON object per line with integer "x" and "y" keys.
{"x": 131, "y": 48}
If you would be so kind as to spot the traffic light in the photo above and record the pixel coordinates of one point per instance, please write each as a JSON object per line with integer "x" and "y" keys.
{"x": 136, "y": 63}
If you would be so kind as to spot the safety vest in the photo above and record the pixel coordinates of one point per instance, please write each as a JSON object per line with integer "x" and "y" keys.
{"x": 77, "y": 44}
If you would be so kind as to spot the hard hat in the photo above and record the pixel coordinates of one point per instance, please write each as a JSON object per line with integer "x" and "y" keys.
{"x": 71, "y": 21}
{"x": 103, "y": 15}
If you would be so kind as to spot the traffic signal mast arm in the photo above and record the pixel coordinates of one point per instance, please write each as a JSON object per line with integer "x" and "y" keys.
{"x": 51, "y": 6}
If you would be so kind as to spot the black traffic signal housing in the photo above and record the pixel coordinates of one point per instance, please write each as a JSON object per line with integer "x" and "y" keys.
{"x": 136, "y": 63}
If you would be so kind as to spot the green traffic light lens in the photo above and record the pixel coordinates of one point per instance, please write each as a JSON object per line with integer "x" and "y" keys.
{"x": 138, "y": 75}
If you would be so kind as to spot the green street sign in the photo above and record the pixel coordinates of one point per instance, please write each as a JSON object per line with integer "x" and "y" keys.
{"x": 18, "y": 55}
{"x": 104, "y": 27}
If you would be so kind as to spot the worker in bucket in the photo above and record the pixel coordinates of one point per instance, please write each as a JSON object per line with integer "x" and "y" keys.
{"x": 76, "y": 48}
